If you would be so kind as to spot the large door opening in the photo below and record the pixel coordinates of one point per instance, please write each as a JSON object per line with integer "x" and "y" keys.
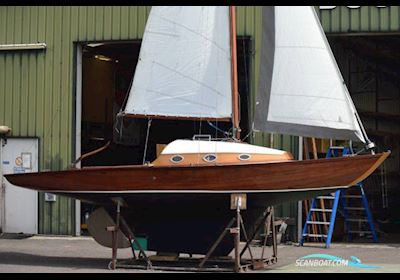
{"x": 107, "y": 69}
{"x": 370, "y": 65}
{"x": 107, "y": 72}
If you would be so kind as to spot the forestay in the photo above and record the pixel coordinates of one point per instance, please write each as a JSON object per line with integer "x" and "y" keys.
{"x": 184, "y": 67}
{"x": 301, "y": 90}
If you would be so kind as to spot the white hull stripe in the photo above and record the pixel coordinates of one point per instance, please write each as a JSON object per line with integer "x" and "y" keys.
{"x": 199, "y": 191}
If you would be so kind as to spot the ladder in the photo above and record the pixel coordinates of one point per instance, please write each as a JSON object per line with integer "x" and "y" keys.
{"x": 347, "y": 202}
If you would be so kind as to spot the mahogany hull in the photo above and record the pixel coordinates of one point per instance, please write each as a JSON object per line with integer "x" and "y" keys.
{"x": 184, "y": 209}
{"x": 252, "y": 177}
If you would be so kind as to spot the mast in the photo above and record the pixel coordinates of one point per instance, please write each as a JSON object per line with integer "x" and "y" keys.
{"x": 235, "y": 91}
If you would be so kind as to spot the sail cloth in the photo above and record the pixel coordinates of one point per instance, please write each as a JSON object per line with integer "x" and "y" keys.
{"x": 184, "y": 67}
{"x": 301, "y": 91}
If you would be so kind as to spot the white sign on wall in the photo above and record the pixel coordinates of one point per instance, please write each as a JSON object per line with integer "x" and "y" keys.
{"x": 19, "y": 206}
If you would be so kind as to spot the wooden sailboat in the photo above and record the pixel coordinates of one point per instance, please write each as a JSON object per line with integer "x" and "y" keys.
{"x": 208, "y": 172}
{"x": 180, "y": 201}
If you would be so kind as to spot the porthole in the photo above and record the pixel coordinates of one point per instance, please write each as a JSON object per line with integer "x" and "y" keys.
{"x": 176, "y": 159}
{"x": 244, "y": 157}
{"x": 210, "y": 158}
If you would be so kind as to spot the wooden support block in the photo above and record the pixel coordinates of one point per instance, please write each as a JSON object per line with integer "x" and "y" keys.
{"x": 243, "y": 200}
{"x": 111, "y": 228}
{"x": 164, "y": 257}
{"x": 258, "y": 265}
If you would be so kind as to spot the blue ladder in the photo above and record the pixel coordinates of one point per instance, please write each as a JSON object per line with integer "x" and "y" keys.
{"x": 360, "y": 220}
{"x": 339, "y": 196}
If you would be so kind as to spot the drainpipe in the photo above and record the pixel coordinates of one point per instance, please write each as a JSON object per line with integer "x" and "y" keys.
{"x": 2, "y": 192}
{"x": 4, "y": 130}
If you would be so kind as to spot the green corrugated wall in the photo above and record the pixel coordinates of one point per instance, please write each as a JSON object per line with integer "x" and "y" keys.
{"x": 37, "y": 86}
{"x": 364, "y": 19}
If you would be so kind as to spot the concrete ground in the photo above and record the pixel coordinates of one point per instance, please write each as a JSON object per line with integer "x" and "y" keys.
{"x": 83, "y": 254}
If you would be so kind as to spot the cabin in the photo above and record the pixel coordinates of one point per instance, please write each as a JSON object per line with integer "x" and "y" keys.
{"x": 65, "y": 73}
{"x": 206, "y": 153}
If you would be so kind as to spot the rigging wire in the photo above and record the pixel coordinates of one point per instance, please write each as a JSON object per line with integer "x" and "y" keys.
{"x": 218, "y": 129}
{"x": 200, "y": 125}
{"x": 128, "y": 92}
{"x": 123, "y": 105}
{"x": 147, "y": 140}
{"x": 248, "y": 134}
{"x": 121, "y": 121}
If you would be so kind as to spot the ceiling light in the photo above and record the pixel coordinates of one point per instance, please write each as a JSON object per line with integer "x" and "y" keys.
{"x": 93, "y": 45}
{"x": 103, "y": 58}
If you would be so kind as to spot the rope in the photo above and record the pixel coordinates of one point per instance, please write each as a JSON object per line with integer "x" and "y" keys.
{"x": 91, "y": 153}
{"x": 147, "y": 140}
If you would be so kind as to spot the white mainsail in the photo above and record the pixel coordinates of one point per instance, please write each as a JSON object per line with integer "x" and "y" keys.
{"x": 184, "y": 67}
{"x": 301, "y": 90}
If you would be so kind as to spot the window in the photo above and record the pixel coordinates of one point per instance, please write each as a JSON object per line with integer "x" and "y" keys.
{"x": 244, "y": 157}
{"x": 210, "y": 158}
{"x": 176, "y": 159}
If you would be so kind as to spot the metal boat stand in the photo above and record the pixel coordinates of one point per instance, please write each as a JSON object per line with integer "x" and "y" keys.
{"x": 238, "y": 202}
{"x": 120, "y": 223}
{"x": 210, "y": 264}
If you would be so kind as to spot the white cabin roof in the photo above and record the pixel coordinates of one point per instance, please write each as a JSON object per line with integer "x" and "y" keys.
{"x": 206, "y": 147}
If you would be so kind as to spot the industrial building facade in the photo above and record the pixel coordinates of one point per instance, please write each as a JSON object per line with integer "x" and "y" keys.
{"x": 46, "y": 86}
